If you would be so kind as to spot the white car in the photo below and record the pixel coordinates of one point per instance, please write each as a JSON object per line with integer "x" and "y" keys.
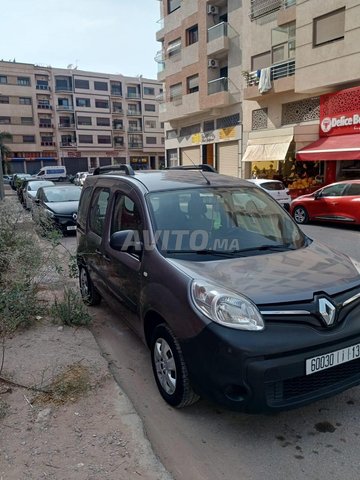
{"x": 80, "y": 178}
{"x": 275, "y": 188}
{"x": 30, "y": 189}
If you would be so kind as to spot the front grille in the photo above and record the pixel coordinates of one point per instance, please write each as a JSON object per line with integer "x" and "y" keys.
{"x": 310, "y": 384}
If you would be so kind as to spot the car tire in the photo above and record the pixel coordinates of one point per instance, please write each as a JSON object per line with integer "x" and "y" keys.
{"x": 300, "y": 215}
{"x": 169, "y": 369}
{"x": 89, "y": 294}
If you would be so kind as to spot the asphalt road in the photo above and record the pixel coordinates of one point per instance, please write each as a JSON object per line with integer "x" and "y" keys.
{"x": 205, "y": 442}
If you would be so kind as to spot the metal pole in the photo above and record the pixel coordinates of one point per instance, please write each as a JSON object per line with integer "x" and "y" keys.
{"x": 2, "y": 190}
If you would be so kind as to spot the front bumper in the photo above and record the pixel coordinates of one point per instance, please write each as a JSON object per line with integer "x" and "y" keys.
{"x": 265, "y": 371}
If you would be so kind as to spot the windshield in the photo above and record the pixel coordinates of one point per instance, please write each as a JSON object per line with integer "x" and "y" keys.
{"x": 65, "y": 194}
{"x": 227, "y": 221}
{"x": 34, "y": 186}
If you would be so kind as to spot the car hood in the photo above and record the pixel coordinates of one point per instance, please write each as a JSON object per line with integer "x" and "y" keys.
{"x": 63, "y": 208}
{"x": 279, "y": 277}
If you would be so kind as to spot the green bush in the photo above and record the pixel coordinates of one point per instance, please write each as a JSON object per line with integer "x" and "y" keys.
{"x": 71, "y": 310}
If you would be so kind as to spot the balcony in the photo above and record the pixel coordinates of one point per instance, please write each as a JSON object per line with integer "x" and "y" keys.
{"x": 44, "y": 106}
{"x": 260, "y": 8}
{"x": 218, "y": 40}
{"x": 67, "y": 108}
{"x": 118, "y": 111}
{"x": 132, "y": 113}
{"x": 46, "y": 125}
{"x": 68, "y": 144}
{"x": 282, "y": 76}
{"x": 180, "y": 106}
{"x": 48, "y": 144}
{"x": 43, "y": 87}
{"x": 135, "y": 128}
{"x": 118, "y": 126}
{"x": 133, "y": 95}
{"x": 135, "y": 145}
{"x": 59, "y": 89}
{"x": 66, "y": 125}
{"x": 218, "y": 85}
{"x": 116, "y": 93}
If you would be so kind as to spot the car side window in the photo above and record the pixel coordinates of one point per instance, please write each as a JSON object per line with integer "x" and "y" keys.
{"x": 126, "y": 215}
{"x": 353, "y": 189}
{"x": 98, "y": 208}
{"x": 83, "y": 206}
{"x": 333, "y": 190}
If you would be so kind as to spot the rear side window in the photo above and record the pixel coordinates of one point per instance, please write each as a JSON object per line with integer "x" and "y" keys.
{"x": 126, "y": 215}
{"x": 98, "y": 208}
{"x": 84, "y": 206}
{"x": 354, "y": 189}
{"x": 273, "y": 186}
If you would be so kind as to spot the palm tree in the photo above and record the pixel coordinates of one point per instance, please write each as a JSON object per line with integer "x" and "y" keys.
{"x": 4, "y": 149}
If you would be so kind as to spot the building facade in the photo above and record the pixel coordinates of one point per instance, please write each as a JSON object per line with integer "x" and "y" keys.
{"x": 274, "y": 62}
{"x": 79, "y": 119}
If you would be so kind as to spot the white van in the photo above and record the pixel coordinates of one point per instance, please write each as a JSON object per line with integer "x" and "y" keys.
{"x": 54, "y": 172}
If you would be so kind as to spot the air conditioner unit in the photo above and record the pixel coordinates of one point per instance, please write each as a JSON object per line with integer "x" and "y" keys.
{"x": 213, "y": 10}
{"x": 212, "y": 63}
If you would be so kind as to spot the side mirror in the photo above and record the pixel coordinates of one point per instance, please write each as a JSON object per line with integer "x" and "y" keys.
{"x": 126, "y": 241}
{"x": 37, "y": 200}
{"x": 318, "y": 195}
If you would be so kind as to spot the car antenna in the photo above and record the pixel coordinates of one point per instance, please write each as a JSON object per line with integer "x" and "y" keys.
{"x": 199, "y": 168}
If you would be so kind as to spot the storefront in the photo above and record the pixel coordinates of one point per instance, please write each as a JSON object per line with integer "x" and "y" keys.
{"x": 338, "y": 148}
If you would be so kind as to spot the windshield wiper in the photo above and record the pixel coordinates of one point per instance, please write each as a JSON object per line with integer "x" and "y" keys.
{"x": 204, "y": 251}
{"x": 270, "y": 248}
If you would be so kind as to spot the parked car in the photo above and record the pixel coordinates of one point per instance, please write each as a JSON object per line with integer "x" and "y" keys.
{"x": 56, "y": 207}
{"x": 276, "y": 189}
{"x": 234, "y": 301}
{"x": 7, "y": 179}
{"x": 30, "y": 189}
{"x": 17, "y": 179}
{"x": 338, "y": 202}
{"x": 80, "y": 178}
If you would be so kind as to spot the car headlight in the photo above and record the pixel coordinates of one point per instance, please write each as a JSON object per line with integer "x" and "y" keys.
{"x": 50, "y": 214}
{"x": 356, "y": 264}
{"x": 225, "y": 307}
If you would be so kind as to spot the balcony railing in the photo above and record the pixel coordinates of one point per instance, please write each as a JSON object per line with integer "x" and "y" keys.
{"x": 42, "y": 87}
{"x": 68, "y": 144}
{"x": 45, "y": 106}
{"x": 160, "y": 56}
{"x": 134, "y": 112}
{"x": 280, "y": 70}
{"x": 133, "y": 128}
{"x": 116, "y": 93}
{"x": 135, "y": 145}
{"x": 46, "y": 125}
{"x": 63, "y": 89}
{"x": 118, "y": 126}
{"x": 117, "y": 110}
{"x": 47, "y": 144}
{"x": 260, "y": 8}
{"x": 217, "y": 31}
{"x": 68, "y": 108}
{"x": 133, "y": 95}
{"x": 218, "y": 85}
{"x": 66, "y": 125}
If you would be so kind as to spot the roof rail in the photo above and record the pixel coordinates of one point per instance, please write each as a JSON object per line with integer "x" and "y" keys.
{"x": 204, "y": 167}
{"x": 127, "y": 169}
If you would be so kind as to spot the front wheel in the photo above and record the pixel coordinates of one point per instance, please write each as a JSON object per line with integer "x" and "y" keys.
{"x": 300, "y": 215}
{"x": 88, "y": 292}
{"x": 169, "y": 369}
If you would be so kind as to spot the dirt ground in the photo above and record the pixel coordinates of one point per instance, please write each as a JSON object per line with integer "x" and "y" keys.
{"x": 86, "y": 429}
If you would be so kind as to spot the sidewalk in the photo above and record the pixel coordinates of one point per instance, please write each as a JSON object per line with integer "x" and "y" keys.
{"x": 96, "y": 435}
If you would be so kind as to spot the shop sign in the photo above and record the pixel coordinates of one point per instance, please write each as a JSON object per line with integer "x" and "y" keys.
{"x": 226, "y": 133}
{"x": 340, "y": 112}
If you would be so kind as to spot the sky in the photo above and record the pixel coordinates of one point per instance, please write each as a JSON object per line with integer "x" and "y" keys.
{"x": 107, "y": 36}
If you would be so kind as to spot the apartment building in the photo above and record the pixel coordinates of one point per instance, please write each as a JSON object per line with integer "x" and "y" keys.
{"x": 79, "y": 119}
{"x": 277, "y": 69}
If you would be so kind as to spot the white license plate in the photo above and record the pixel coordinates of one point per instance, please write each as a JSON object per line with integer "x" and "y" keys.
{"x": 71, "y": 227}
{"x": 332, "y": 359}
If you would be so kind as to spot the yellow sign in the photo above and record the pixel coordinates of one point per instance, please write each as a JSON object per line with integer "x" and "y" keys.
{"x": 228, "y": 132}
{"x": 196, "y": 138}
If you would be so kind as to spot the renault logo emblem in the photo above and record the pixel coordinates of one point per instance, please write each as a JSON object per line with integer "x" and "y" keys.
{"x": 327, "y": 310}
{"x": 74, "y": 216}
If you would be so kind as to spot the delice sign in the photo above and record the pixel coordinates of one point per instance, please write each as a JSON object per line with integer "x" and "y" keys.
{"x": 340, "y": 112}
{"x": 328, "y": 123}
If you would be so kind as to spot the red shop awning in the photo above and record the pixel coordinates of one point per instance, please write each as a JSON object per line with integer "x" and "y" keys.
{"x": 337, "y": 147}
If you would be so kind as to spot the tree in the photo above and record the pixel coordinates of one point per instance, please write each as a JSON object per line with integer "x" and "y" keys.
{"x": 4, "y": 150}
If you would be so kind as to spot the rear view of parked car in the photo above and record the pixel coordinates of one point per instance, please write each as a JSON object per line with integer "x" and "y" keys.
{"x": 276, "y": 189}
{"x": 30, "y": 189}
{"x": 56, "y": 207}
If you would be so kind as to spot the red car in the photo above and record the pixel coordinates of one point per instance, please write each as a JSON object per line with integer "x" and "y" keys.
{"x": 338, "y": 202}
